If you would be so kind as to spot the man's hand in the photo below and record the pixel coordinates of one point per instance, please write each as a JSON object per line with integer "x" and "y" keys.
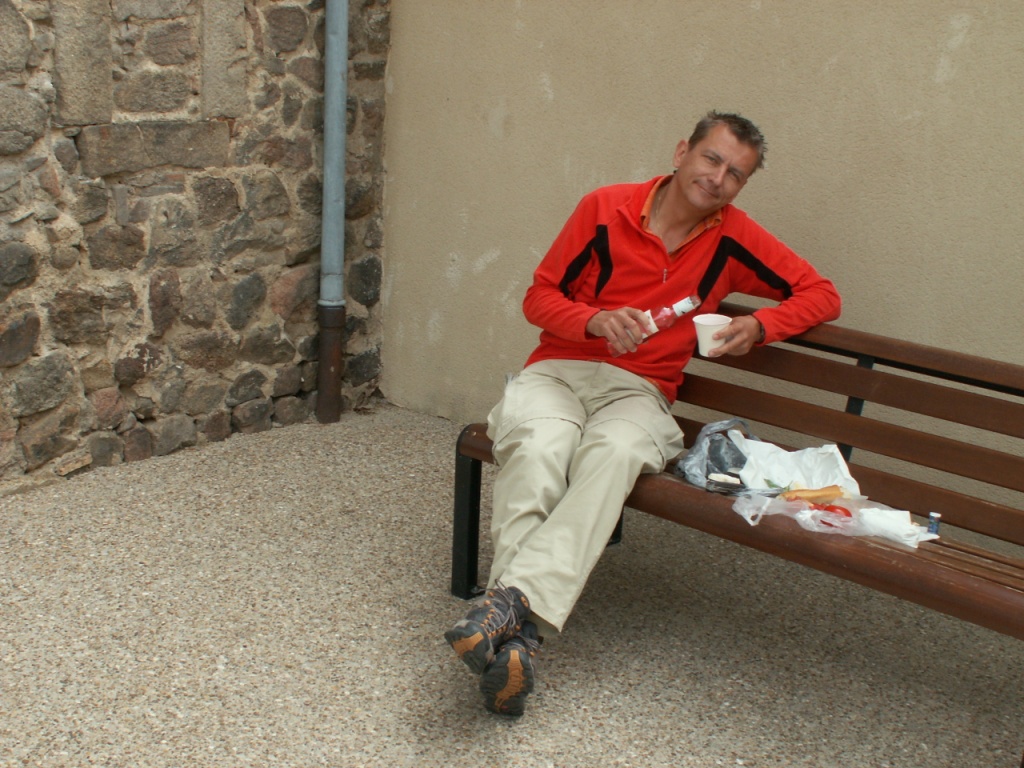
{"x": 623, "y": 328}
{"x": 740, "y": 335}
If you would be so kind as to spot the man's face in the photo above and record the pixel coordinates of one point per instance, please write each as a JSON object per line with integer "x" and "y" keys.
{"x": 713, "y": 171}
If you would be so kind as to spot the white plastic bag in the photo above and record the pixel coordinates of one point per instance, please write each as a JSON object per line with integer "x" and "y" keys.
{"x": 714, "y": 460}
{"x": 769, "y": 466}
{"x": 867, "y": 518}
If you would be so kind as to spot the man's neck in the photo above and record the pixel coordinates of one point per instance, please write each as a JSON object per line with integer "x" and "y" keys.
{"x": 672, "y": 218}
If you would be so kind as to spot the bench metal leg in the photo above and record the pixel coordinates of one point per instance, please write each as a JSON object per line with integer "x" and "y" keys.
{"x": 466, "y": 527}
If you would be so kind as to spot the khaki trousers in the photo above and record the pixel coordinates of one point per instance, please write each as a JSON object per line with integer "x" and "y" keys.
{"x": 570, "y": 438}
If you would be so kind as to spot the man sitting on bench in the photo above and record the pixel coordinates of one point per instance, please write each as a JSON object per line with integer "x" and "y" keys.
{"x": 591, "y": 410}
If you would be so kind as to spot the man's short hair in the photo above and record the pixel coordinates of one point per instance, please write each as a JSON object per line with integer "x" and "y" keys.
{"x": 741, "y": 128}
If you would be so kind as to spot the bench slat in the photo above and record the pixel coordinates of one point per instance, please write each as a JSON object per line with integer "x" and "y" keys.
{"x": 979, "y": 515}
{"x": 986, "y": 568}
{"x": 897, "y": 391}
{"x": 957, "y": 366}
{"x": 892, "y": 569}
{"x": 933, "y": 451}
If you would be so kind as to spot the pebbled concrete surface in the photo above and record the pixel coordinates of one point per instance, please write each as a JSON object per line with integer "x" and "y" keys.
{"x": 279, "y": 599}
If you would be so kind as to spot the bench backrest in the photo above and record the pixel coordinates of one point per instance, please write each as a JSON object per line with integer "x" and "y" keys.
{"x": 893, "y": 405}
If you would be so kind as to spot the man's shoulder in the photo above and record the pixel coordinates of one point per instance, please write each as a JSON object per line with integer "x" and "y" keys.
{"x": 612, "y": 197}
{"x": 621, "y": 192}
{"x": 737, "y": 220}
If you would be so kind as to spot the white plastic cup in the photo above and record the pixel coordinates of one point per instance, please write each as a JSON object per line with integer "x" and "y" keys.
{"x": 707, "y": 326}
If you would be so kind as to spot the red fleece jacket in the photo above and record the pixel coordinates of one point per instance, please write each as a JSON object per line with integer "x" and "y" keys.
{"x": 604, "y": 259}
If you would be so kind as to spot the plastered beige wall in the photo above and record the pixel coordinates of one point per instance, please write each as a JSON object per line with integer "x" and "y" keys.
{"x": 895, "y": 163}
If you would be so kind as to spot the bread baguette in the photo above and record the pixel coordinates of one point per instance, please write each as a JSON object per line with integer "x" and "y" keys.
{"x": 814, "y": 495}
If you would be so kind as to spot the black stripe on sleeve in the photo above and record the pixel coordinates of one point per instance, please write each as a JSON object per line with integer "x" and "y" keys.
{"x": 599, "y": 246}
{"x": 730, "y": 249}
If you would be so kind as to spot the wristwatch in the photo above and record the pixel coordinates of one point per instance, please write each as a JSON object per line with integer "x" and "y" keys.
{"x": 760, "y": 336}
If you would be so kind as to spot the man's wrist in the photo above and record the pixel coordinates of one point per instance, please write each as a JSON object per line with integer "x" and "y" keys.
{"x": 760, "y": 334}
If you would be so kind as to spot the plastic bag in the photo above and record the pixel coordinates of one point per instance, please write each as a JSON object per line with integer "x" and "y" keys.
{"x": 867, "y": 518}
{"x": 715, "y": 461}
{"x": 769, "y": 466}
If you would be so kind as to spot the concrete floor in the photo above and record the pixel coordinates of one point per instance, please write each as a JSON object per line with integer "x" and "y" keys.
{"x": 279, "y": 600}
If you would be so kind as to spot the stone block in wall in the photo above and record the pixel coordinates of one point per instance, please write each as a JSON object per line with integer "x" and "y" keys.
{"x": 137, "y": 364}
{"x": 148, "y": 9}
{"x": 84, "y": 315}
{"x": 10, "y": 189}
{"x": 362, "y": 368}
{"x": 265, "y": 195}
{"x": 286, "y": 27}
{"x": 173, "y": 433}
{"x": 290, "y": 410}
{"x": 216, "y": 426}
{"x": 364, "y": 280}
{"x": 15, "y": 42}
{"x": 19, "y": 268}
{"x": 37, "y": 385}
{"x": 19, "y": 334}
{"x": 83, "y": 62}
{"x": 23, "y": 120}
{"x": 307, "y": 346}
{"x": 169, "y": 44}
{"x": 247, "y": 297}
{"x": 115, "y": 247}
{"x": 129, "y": 147}
{"x": 204, "y": 395}
{"x": 248, "y": 386}
{"x": 198, "y": 302}
{"x": 309, "y": 70}
{"x": 310, "y": 193}
{"x": 172, "y": 233}
{"x": 287, "y": 381}
{"x": 361, "y": 197}
{"x": 167, "y": 387}
{"x": 105, "y": 448}
{"x": 210, "y": 350}
{"x": 92, "y": 199}
{"x": 164, "y": 300}
{"x": 12, "y": 458}
{"x": 48, "y": 437}
{"x": 153, "y": 91}
{"x": 97, "y": 373}
{"x": 216, "y": 199}
{"x": 310, "y": 371}
{"x": 267, "y": 346}
{"x": 281, "y": 152}
{"x": 294, "y": 294}
{"x": 224, "y": 56}
{"x": 110, "y": 408}
{"x": 253, "y": 416}
{"x": 138, "y": 444}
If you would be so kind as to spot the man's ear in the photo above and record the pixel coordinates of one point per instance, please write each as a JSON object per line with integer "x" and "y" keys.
{"x": 681, "y": 148}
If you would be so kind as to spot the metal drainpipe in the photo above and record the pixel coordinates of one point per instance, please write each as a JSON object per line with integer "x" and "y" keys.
{"x": 331, "y": 305}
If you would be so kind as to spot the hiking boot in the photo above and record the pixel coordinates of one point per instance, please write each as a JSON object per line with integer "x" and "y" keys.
{"x": 488, "y": 626}
{"x": 509, "y": 679}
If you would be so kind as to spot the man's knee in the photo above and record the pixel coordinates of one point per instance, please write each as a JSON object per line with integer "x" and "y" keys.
{"x": 540, "y": 439}
{"x": 624, "y": 441}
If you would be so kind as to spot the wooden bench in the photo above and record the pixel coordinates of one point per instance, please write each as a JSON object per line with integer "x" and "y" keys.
{"x": 923, "y": 429}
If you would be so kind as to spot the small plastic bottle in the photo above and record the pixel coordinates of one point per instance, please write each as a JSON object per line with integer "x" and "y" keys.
{"x": 665, "y": 317}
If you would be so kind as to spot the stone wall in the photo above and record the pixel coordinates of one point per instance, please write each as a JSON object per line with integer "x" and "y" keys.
{"x": 160, "y": 185}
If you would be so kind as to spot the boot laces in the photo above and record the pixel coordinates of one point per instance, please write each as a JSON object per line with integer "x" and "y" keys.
{"x": 504, "y": 608}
